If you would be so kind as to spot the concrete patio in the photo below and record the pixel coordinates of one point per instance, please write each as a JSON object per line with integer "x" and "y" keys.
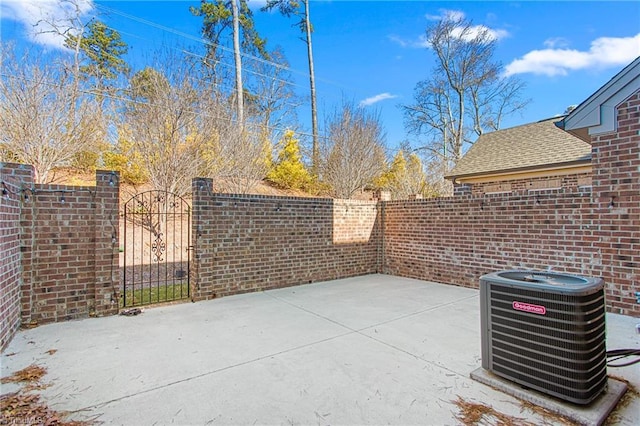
{"x": 375, "y": 349}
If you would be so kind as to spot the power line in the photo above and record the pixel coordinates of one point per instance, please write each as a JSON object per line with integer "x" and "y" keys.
{"x": 210, "y": 43}
{"x": 245, "y": 69}
{"x": 218, "y": 62}
{"x": 198, "y": 39}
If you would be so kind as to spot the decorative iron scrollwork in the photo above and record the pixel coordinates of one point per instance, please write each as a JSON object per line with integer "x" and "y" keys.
{"x": 158, "y": 248}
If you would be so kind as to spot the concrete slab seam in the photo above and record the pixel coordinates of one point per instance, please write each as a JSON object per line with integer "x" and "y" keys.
{"x": 389, "y": 345}
{"x": 422, "y": 311}
{"x": 209, "y": 373}
{"x": 309, "y": 312}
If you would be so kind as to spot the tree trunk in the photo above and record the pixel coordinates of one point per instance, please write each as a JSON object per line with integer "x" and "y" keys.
{"x": 238, "y": 61}
{"x": 315, "y": 153}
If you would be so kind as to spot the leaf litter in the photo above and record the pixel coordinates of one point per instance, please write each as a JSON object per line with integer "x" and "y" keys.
{"x": 24, "y": 407}
{"x": 472, "y": 413}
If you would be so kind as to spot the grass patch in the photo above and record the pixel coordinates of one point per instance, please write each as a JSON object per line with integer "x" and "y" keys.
{"x": 156, "y": 294}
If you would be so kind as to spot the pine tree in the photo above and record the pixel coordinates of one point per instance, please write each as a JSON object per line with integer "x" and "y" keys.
{"x": 100, "y": 63}
{"x": 102, "y": 49}
{"x": 218, "y": 17}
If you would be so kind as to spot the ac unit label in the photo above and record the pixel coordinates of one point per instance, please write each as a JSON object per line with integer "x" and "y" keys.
{"x": 528, "y": 307}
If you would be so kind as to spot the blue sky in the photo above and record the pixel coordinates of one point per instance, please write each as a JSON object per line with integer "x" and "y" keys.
{"x": 374, "y": 52}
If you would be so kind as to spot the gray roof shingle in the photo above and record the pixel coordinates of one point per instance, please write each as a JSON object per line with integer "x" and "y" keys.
{"x": 524, "y": 147}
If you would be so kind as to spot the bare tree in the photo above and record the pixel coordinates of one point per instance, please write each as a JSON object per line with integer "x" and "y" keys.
{"x": 467, "y": 93}
{"x": 270, "y": 98}
{"x": 45, "y": 120}
{"x": 169, "y": 121}
{"x": 241, "y": 159}
{"x": 181, "y": 129}
{"x": 354, "y": 154}
{"x": 437, "y": 185}
{"x": 65, "y": 21}
{"x": 234, "y": 157}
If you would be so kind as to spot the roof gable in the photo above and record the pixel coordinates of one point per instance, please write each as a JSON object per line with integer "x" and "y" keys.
{"x": 597, "y": 113}
{"x": 528, "y": 147}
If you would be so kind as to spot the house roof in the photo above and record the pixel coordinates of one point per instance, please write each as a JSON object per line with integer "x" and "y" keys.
{"x": 597, "y": 113}
{"x": 539, "y": 145}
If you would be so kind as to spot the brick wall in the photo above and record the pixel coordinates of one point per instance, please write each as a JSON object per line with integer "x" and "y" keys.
{"x": 249, "y": 243}
{"x": 616, "y": 165}
{"x": 10, "y": 267}
{"x": 106, "y": 205}
{"x": 455, "y": 240}
{"x": 529, "y": 184}
{"x": 574, "y": 230}
{"x": 68, "y": 246}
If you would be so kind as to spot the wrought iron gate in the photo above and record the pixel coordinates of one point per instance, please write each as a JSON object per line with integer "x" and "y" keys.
{"x": 157, "y": 239}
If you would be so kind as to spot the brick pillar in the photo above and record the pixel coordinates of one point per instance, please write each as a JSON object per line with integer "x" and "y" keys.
{"x": 380, "y": 206}
{"x": 24, "y": 177}
{"x": 10, "y": 266}
{"x": 382, "y": 195}
{"x": 202, "y": 286}
{"x": 107, "y": 265}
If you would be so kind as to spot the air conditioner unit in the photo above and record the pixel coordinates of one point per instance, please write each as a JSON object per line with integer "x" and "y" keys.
{"x": 545, "y": 331}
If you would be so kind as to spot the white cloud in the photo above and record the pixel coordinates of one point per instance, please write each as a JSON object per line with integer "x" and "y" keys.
{"x": 604, "y": 52}
{"x": 556, "y": 42}
{"x": 36, "y": 16}
{"x": 466, "y": 34}
{"x": 377, "y": 98}
{"x": 474, "y": 31}
{"x": 421, "y": 42}
{"x": 451, "y": 15}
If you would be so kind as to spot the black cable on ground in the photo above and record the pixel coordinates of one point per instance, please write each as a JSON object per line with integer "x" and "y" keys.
{"x": 618, "y": 354}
